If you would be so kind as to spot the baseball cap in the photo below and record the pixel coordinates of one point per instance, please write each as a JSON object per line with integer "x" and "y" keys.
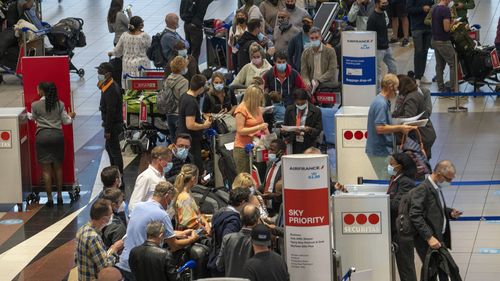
{"x": 261, "y": 235}
{"x": 105, "y": 67}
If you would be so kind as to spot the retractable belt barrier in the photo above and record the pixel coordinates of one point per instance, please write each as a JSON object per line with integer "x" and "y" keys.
{"x": 465, "y": 94}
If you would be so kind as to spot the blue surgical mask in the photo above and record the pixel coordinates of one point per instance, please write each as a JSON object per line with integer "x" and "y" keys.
{"x": 281, "y": 67}
{"x": 444, "y": 184}
{"x": 315, "y": 43}
{"x": 167, "y": 168}
{"x": 183, "y": 53}
{"x": 101, "y": 77}
{"x": 271, "y": 157}
{"x": 390, "y": 170}
{"x": 260, "y": 36}
{"x": 218, "y": 87}
{"x": 181, "y": 153}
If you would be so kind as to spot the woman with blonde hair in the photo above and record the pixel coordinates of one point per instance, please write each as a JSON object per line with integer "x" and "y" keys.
{"x": 249, "y": 124}
{"x": 187, "y": 212}
{"x": 257, "y": 67}
{"x": 245, "y": 180}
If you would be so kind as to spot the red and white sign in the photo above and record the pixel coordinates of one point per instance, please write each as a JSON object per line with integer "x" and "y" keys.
{"x": 6, "y": 139}
{"x": 354, "y": 138}
{"x": 153, "y": 73}
{"x": 361, "y": 223}
{"x": 143, "y": 114}
{"x": 494, "y": 59}
{"x": 306, "y": 206}
{"x": 124, "y": 111}
{"x": 145, "y": 84}
{"x": 326, "y": 98}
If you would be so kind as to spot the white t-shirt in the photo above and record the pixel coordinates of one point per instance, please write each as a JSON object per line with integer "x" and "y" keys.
{"x": 145, "y": 185}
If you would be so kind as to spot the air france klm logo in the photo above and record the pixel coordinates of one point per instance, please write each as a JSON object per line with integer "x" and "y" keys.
{"x": 311, "y": 168}
{"x": 365, "y": 47}
{"x": 314, "y": 175}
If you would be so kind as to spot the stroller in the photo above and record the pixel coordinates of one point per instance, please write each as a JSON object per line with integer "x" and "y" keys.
{"x": 65, "y": 36}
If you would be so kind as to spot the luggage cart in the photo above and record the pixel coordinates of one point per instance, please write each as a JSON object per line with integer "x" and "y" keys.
{"x": 142, "y": 121}
{"x": 217, "y": 49}
{"x": 152, "y": 72}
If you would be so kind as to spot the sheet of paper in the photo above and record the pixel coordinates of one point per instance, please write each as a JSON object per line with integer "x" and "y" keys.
{"x": 292, "y": 128}
{"x": 399, "y": 121}
{"x": 418, "y": 123}
{"x": 229, "y": 146}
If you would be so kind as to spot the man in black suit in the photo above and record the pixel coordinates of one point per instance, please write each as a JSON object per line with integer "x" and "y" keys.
{"x": 307, "y": 117}
{"x": 429, "y": 213}
{"x": 271, "y": 188}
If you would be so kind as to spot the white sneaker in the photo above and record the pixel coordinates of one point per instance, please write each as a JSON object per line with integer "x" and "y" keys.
{"x": 424, "y": 80}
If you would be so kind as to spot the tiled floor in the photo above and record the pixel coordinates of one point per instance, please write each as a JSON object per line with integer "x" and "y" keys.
{"x": 471, "y": 140}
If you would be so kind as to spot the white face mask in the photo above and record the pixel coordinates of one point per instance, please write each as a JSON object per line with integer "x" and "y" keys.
{"x": 101, "y": 77}
{"x": 301, "y": 107}
{"x": 110, "y": 220}
{"x": 451, "y": 4}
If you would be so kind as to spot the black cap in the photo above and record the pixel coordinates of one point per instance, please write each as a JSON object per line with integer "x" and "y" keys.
{"x": 105, "y": 67}
{"x": 261, "y": 235}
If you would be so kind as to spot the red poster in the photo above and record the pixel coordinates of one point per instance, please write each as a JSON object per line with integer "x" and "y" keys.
{"x": 494, "y": 59}
{"x": 124, "y": 111}
{"x": 143, "y": 116}
{"x": 55, "y": 69}
{"x": 306, "y": 207}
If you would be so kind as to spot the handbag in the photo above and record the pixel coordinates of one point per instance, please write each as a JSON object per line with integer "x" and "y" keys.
{"x": 417, "y": 153}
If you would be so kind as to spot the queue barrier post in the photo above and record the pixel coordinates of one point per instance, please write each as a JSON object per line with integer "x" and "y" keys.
{"x": 457, "y": 107}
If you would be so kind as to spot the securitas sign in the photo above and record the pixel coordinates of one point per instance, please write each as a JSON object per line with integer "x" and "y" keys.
{"x": 361, "y": 223}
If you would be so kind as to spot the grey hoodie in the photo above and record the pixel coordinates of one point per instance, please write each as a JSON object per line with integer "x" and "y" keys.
{"x": 177, "y": 83}
{"x": 360, "y": 13}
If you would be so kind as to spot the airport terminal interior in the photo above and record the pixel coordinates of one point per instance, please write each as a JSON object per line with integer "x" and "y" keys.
{"x": 38, "y": 243}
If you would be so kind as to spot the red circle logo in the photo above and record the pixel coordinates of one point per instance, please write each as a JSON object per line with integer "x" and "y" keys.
{"x": 358, "y": 135}
{"x": 349, "y": 219}
{"x": 366, "y": 134}
{"x": 361, "y": 218}
{"x": 5, "y": 136}
{"x": 348, "y": 135}
{"x": 373, "y": 218}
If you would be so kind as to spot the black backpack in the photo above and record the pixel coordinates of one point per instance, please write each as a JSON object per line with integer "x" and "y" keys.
{"x": 404, "y": 226}
{"x": 154, "y": 52}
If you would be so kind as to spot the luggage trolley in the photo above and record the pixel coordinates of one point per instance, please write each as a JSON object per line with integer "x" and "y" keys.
{"x": 152, "y": 72}
{"x": 140, "y": 115}
{"x": 217, "y": 47}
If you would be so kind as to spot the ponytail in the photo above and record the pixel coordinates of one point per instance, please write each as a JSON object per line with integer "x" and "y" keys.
{"x": 188, "y": 172}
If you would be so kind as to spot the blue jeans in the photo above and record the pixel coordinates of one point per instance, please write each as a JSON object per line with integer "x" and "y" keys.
{"x": 386, "y": 57}
{"x": 422, "y": 43}
{"x": 172, "y": 121}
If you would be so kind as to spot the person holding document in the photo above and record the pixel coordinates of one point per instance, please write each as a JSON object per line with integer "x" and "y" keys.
{"x": 306, "y": 118}
{"x": 410, "y": 103}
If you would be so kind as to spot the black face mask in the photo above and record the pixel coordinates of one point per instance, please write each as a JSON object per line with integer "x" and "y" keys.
{"x": 290, "y": 6}
{"x": 240, "y": 20}
{"x": 384, "y": 7}
{"x": 306, "y": 28}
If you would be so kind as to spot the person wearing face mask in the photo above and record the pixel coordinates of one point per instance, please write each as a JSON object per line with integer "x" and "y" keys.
{"x": 111, "y": 113}
{"x": 191, "y": 68}
{"x": 170, "y": 36}
{"x": 379, "y": 126}
{"x": 156, "y": 209}
{"x": 284, "y": 32}
{"x": 298, "y": 43}
{"x": 255, "y": 68}
{"x": 179, "y": 85}
{"x": 219, "y": 98}
{"x": 132, "y": 47}
{"x": 359, "y": 12}
{"x": 305, "y": 115}
{"x": 181, "y": 156}
{"x": 187, "y": 212}
{"x": 252, "y": 35}
{"x": 253, "y": 12}
{"x": 116, "y": 228}
{"x": 297, "y": 13}
{"x": 91, "y": 254}
{"x": 235, "y": 33}
{"x": 283, "y": 78}
{"x": 271, "y": 194}
{"x": 146, "y": 259}
{"x": 269, "y": 10}
{"x": 111, "y": 178}
{"x": 319, "y": 63}
{"x": 377, "y": 22}
{"x": 402, "y": 170}
{"x": 161, "y": 163}
{"x": 190, "y": 118}
{"x": 430, "y": 214}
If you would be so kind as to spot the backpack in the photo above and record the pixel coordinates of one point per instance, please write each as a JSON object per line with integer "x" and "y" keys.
{"x": 404, "y": 227}
{"x": 154, "y": 52}
{"x": 166, "y": 101}
{"x": 209, "y": 199}
{"x": 416, "y": 151}
{"x": 460, "y": 38}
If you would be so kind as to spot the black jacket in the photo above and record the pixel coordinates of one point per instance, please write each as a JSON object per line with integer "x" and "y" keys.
{"x": 440, "y": 259}
{"x": 417, "y": 14}
{"x": 224, "y": 222}
{"x": 277, "y": 199}
{"x": 411, "y": 105}
{"x": 398, "y": 187}
{"x": 149, "y": 262}
{"x": 426, "y": 213}
{"x": 313, "y": 120}
{"x": 113, "y": 232}
{"x": 111, "y": 107}
{"x": 193, "y": 11}
{"x": 245, "y": 41}
{"x": 176, "y": 167}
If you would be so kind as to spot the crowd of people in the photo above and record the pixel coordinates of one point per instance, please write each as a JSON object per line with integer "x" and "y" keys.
{"x": 279, "y": 59}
